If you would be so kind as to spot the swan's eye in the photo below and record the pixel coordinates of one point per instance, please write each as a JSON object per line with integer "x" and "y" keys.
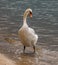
{"x": 30, "y": 14}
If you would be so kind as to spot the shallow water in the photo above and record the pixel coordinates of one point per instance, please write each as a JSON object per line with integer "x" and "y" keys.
{"x": 45, "y": 23}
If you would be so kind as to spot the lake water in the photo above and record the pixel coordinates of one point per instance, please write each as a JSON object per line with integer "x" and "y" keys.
{"x": 45, "y": 23}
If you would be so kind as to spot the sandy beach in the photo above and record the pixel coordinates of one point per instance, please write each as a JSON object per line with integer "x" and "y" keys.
{"x": 4, "y": 60}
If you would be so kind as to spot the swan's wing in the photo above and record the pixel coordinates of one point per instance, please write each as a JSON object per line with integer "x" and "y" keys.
{"x": 32, "y": 33}
{"x": 31, "y": 30}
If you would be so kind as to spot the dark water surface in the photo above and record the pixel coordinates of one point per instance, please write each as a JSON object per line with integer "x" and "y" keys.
{"x": 45, "y": 23}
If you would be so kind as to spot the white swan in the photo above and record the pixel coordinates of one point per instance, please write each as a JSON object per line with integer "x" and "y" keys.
{"x": 26, "y": 34}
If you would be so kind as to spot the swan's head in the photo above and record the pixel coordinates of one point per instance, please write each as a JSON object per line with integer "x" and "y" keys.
{"x": 28, "y": 12}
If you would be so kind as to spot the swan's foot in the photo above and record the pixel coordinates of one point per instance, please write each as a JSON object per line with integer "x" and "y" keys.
{"x": 24, "y": 49}
{"x": 34, "y": 48}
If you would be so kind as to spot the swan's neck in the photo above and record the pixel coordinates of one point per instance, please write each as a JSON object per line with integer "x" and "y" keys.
{"x": 25, "y": 18}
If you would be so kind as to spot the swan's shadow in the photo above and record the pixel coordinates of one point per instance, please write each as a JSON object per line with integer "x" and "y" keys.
{"x": 28, "y": 54}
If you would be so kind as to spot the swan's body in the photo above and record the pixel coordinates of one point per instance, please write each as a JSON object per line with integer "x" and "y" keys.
{"x": 26, "y": 34}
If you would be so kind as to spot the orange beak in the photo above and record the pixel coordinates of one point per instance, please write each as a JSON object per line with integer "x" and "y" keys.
{"x": 30, "y": 14}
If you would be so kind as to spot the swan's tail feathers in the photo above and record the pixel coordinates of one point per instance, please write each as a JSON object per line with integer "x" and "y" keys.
{"x": 36, "y": 37}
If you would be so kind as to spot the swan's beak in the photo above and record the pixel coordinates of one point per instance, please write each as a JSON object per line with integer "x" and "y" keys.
{"x": 30, "y": 14}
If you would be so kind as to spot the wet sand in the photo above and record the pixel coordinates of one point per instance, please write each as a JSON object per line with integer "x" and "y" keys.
{"x": 5, "y": 61}
{"x": 12, "y": 54}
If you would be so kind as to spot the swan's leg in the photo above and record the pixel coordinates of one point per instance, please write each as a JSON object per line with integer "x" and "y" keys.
{"x": 34, "y": 48}
{"x": 24, "y": 49}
